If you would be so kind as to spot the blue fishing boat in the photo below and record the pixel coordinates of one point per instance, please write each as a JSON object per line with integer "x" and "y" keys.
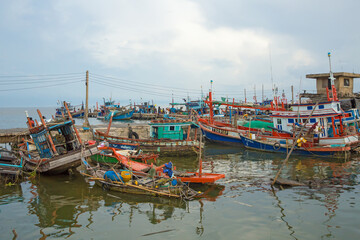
{"x": 224, "y": 135}
{"x": 310, "y": 149}
{"x": 58, "y": 147}
{"x": 121, "y": 114}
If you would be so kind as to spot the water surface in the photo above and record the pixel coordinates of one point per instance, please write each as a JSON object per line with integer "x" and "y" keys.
{"x": 241, "y": 206}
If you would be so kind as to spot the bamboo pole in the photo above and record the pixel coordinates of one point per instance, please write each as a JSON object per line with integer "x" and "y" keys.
{"x": 109, "y": 126}
{"x": 50, "y": 137}
{"x": 71, "y": 119}
{"x": 294, "y": 144}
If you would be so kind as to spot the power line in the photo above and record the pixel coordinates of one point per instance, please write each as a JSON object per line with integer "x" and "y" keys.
{"x": 37, "y": 76}
{"x": 37, "y": 81}
{"x": 142, "y": 84}
{"x": 16, "y": 89}
{"x": 132, "y": 89}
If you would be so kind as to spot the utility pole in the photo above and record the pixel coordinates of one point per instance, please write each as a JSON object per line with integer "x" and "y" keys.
{"x": 245, "y": 94}
{"x": 86, "y": 120}
{"x": 255, "y": 93}
{"x": 292, "y": 94}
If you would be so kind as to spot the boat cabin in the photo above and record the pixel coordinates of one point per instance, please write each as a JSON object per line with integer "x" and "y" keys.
{"x": 171, "y": 129}
{"x": 325, "y": 115}
{"x": 60, "y": 137}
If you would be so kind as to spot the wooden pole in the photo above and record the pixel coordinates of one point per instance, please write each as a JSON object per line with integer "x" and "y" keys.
{"x": 294, "y": 144}
{"x": 188, "y": 133}
{"x": 200, "y": 159}
{"x": 50, "y": 137}
{"x": 245, "y": 94}
{"x": 211, "y": 108}
{"x": 71, "y": 119}
{"x": 292, "y": 94}
{"x": 86, "y": 120}
{"x": 109, "y": 126}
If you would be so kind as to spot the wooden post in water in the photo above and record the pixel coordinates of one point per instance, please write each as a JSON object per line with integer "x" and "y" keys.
{"x": 86, "y": 115}
{"x": 200, "y": 159}
{"x": 294, "y": 144}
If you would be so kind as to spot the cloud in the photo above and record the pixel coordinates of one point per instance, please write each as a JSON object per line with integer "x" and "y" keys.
{"x": 172, "y": 43}
{"x": 174, "y": 35}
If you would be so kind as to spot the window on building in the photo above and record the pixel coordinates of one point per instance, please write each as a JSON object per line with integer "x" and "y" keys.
{"x": 172, "y": 128}
{"x": 321, "y": 106}
{"x": 290, "y": 120}
{"x": 346, "y": 82}
{"x": 278, "y": 121}
{"x": 309, "y": 107}
{"x": 338, "y": 107}
{"x": 312, "y": 120}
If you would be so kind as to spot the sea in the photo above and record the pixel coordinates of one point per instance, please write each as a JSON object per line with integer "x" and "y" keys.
{"x": 243, "y": 205}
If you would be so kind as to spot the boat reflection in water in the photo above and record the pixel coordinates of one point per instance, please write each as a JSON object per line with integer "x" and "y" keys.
{"x": 66, "y": 203}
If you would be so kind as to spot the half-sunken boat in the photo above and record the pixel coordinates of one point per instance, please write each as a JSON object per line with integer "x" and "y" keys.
{"x": 125, "y": 181}
{"x": 58, "y": 147}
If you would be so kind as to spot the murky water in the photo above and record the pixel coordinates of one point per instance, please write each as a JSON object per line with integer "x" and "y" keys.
{"x": 241, "y": 206}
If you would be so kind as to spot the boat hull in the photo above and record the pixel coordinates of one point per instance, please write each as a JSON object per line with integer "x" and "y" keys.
{"x": 321, "y": 151}
{"x": 61, "y": 163}
{"x": 223, "y": 136}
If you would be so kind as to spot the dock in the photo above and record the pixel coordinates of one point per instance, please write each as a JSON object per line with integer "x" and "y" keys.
{"x": 13, "y": 135}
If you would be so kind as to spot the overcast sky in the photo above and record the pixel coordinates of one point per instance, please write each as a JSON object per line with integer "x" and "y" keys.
{"x": 151, "y": 50}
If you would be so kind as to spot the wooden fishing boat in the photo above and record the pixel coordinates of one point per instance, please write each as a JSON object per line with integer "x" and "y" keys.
{"x": 163, "y": 187}
{"x": 165, "y": 170}
{"x": 10, "y": 164}
{"x": 58, "y": 147}
{"x": 308, "y": 148}
{"x": 223, "y": 135}
{"x": 106, "y": 156}
{"x": 75, "y": 111}
{"x": 167, "y": 138}
{"x": 124, "y": 181}
{"x": 120, "y": 114}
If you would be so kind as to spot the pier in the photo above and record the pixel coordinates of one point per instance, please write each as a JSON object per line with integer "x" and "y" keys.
{"x": 15, "y": 135}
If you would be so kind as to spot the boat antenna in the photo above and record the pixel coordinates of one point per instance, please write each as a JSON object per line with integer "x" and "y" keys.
{"x": 332, "y": 79}
{"x": 271, "y": 73}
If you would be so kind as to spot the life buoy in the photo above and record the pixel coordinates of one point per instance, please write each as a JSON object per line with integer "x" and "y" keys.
{"x": 276, "y": 146}
{"x": 131, "y": 134}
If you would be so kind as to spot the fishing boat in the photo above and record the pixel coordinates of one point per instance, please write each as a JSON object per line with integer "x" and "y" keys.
{"x": 144, "y": 168}
{"x": 124, "y": 181}
{"x": 328, "y": 129}
{"x": 106, "y": 156}
{"x": 75, "y": 111}
{"x": 120, "y": 114}
{"x": 58, "y": 147}
{"x": 308, "y": 148}
{"x": 10, "y": 164}
{"x": 227, "y": 133}
{"x": 167, "y": 137}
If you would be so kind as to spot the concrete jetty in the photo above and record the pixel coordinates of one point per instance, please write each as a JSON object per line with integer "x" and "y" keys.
{"x": 15, "y": 135}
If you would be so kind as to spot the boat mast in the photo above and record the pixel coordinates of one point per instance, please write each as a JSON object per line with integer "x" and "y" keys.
{"x": 332, "y": 80}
